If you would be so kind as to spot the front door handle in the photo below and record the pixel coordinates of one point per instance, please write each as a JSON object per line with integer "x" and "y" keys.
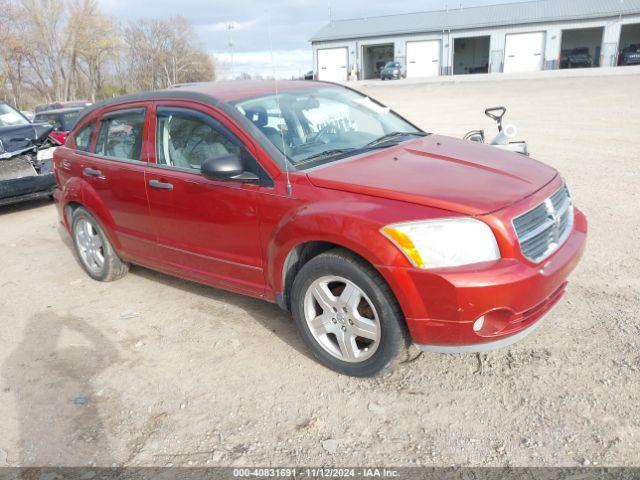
{"x": 93, "y": 172}
{"x": 160, "y": 185}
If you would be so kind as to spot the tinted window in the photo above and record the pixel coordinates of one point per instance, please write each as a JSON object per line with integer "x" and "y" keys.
{"x": 185, "y": 140}
{"x": 83, "y": 137}
{"x": 69, "y": 120}
{"x": 121, "y": 135}
{"x": 52, "y": 119}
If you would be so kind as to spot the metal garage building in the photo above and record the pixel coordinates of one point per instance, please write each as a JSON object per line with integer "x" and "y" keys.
{"x": 514, "y": 37}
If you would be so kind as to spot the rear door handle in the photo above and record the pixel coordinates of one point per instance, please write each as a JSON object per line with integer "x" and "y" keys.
{"x": 92, "y": 172}
{"x": 160, "y": 185}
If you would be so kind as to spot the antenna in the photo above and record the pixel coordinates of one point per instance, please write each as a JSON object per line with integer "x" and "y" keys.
{"x": 275, "y": 82}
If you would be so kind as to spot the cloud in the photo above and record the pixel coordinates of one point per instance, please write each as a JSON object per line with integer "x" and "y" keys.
{"x": 284, "y": 25}
{"x": 286, "y": 63}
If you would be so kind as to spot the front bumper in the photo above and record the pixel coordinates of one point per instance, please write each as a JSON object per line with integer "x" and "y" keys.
{"x": 31, "y": 187}
{"x": 512, "y": 296}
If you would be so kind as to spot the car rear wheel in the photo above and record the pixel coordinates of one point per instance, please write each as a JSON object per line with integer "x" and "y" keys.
{"x": 96, "y": 255}
{"x": 348, "y": 316}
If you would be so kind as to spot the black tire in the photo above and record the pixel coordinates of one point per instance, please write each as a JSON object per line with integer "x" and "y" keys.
{"x": 114, "y": 268}
{"x": 394, "y": 343}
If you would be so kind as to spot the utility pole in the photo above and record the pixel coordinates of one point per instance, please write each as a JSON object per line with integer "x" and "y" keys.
{"x": 230, "y": 27}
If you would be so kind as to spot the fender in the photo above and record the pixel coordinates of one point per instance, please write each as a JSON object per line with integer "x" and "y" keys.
{"x": 347, "y": 224}
{"x": 78, "y": 190}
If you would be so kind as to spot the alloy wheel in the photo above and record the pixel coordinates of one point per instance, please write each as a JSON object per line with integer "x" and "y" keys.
{"x": 90, "y": 246}
{"x": 342, "y": 319}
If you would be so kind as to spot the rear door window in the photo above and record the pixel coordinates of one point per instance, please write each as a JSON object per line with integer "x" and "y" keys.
{"x": 121, "y": 134}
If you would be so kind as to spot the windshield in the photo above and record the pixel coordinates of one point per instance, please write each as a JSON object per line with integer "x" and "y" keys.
{"x": 323, "y": 124}
{"x": 392, "y": 65}
{"x": 10, "y": 116}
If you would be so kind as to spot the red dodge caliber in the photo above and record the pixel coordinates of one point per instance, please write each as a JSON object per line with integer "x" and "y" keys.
{"x": 375, "y": 234}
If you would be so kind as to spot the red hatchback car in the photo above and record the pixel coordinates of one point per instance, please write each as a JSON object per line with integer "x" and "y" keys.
{"x": 373, "y": 233}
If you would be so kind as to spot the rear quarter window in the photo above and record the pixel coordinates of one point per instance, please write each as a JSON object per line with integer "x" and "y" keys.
{"x": 82, "y": 139}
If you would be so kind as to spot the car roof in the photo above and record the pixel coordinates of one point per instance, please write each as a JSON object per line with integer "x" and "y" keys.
{"x": 218, "y": 94}
{"x": 222, "y": 92}
{"x": 235, "y": 90}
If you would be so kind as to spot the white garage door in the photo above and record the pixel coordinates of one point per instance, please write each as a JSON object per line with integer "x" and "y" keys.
{"x": 524, "y": 52}
{"x": 333, "y": 64}
{"x": 423, "y": 59}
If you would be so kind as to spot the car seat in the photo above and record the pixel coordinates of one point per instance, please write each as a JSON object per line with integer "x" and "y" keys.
{"x": 260, "y": 118}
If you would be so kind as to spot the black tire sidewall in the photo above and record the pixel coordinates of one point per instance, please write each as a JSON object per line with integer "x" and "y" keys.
{"x": 392, "y": 336}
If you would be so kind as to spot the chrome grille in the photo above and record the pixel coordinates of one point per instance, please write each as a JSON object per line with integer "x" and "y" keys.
{"x": 543, "y": 229}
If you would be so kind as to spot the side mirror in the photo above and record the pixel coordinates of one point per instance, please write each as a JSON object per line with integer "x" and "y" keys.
{"x": 226, "y": 167}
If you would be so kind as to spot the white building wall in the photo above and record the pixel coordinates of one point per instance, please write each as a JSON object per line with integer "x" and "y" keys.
{"x": 612, "y": 28}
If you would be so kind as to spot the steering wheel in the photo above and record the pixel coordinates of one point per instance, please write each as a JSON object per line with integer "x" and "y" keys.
{"x": 323, "y": 131}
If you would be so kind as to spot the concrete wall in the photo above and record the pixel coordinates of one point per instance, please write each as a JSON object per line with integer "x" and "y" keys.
{"x": 609, "y": 50}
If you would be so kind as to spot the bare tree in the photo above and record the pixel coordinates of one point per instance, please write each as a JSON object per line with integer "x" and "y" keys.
{"x": 13, "y": 54}
{"x": 94, "y": 47}
{"x": 68, "y": 49}
{"x": 48, "y": 43}
{"x": 162, "y": 53}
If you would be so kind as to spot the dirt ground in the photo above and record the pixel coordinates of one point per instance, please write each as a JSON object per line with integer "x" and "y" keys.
{"x": 152, "y": 370}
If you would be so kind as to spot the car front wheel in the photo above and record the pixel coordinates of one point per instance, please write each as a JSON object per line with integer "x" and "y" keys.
{"x": 348, "y": 316}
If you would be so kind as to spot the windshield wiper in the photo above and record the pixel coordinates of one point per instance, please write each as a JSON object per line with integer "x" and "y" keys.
{"x": 391, "y": 136}
{"x": 377, "y": 143}
{"x": 325, "y": 154}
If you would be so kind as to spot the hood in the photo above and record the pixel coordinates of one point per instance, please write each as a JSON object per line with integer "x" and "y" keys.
{"x": 440, "y": 172}
{"x": 19, "y": 137}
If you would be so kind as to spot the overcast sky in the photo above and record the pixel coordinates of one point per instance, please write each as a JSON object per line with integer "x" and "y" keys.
{"x": 292, "y": 23}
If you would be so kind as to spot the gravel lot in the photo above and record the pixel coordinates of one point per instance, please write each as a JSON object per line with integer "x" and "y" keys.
{"x": 152, "y": 370}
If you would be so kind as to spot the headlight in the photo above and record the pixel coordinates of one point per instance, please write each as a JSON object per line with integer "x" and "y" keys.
{"x": 444, "y": 243}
